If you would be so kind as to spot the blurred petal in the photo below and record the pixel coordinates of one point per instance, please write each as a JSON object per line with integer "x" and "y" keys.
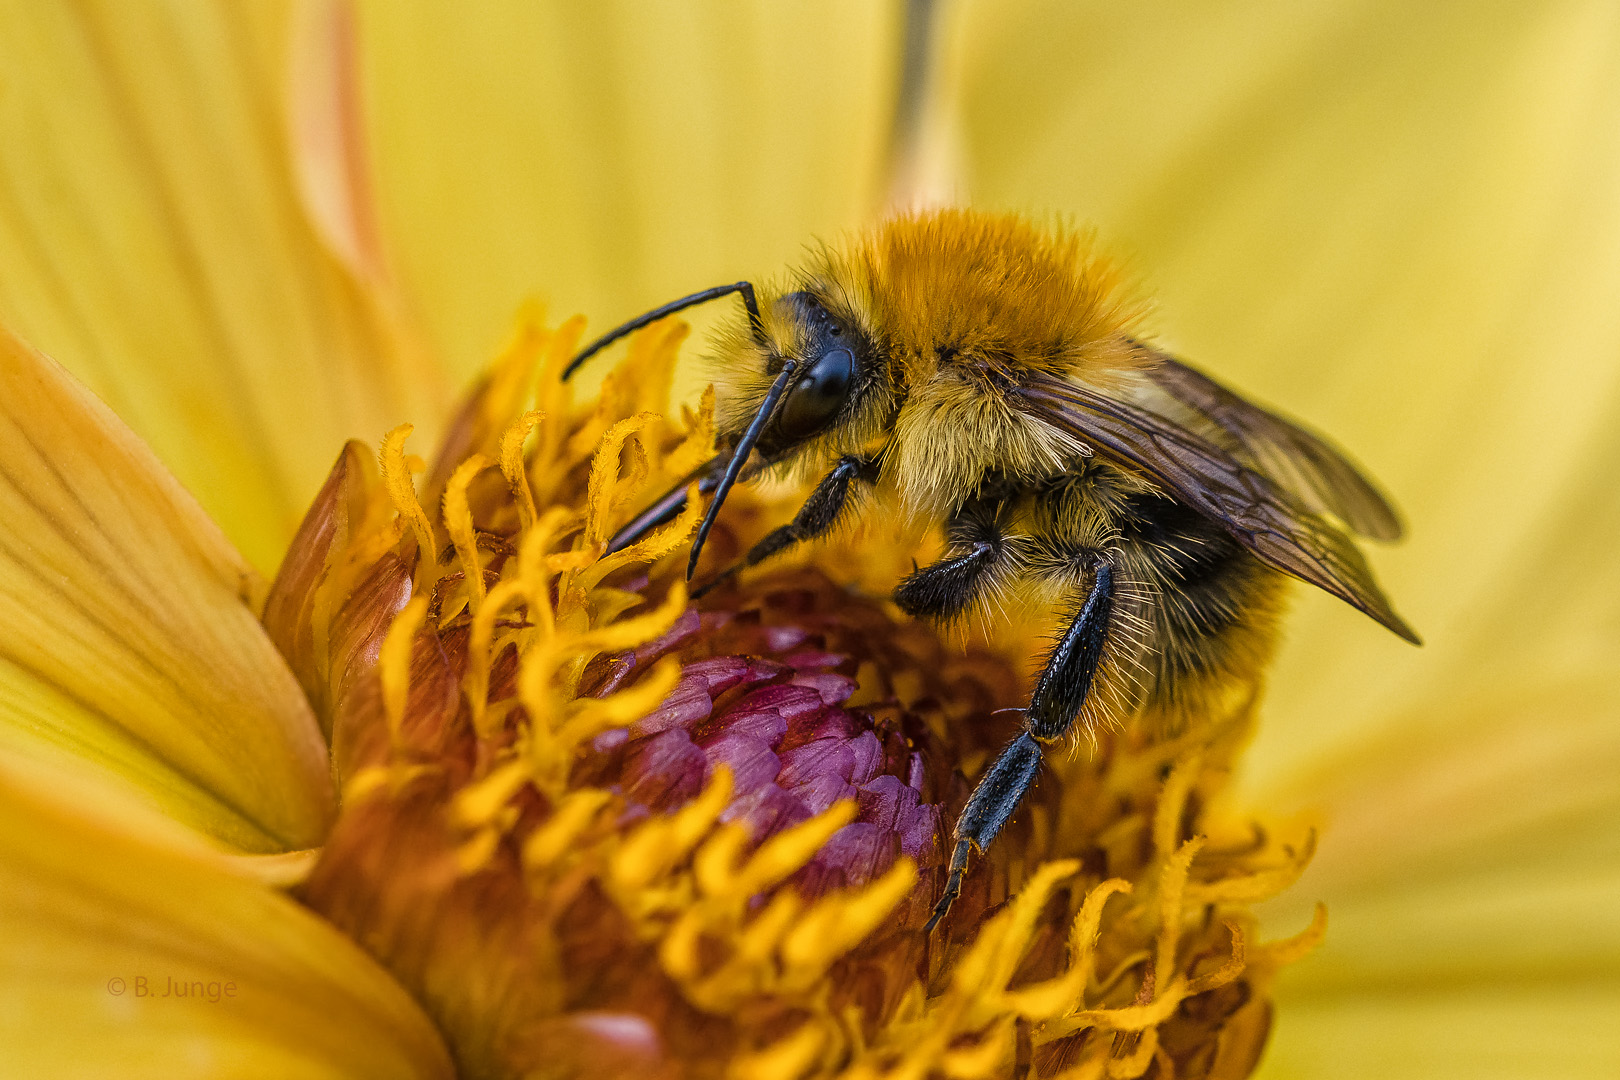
{"x": 127, "y": 949}
{"x": 1451, "y": 862}
{"x": 1526, "y": 1032}
{"x": 328, "y": 143}
{"x": 152, "y": 238}
{"x": 129, "y": 648}
{"x": 616, "y": 155}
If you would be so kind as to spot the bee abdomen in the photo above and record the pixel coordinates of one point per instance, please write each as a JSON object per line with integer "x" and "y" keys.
{"x": 1211, "y": 603}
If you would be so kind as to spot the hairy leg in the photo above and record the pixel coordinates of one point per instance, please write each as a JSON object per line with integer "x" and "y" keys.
{"x": 1057, "y": 700}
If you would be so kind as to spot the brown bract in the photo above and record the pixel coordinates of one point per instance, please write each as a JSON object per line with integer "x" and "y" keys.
{"x": 597, "y": 830}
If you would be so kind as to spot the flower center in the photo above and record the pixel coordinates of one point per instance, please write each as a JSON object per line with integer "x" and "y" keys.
{"x": 599, "y": 830}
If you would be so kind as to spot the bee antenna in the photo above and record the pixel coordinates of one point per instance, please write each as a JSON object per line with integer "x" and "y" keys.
{"x": 744, "y": 287}
{"x": 739, "y": 457}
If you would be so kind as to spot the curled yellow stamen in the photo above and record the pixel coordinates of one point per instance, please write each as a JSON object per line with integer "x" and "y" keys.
{"x": 698, "y": 446}
{"x": 660, "y": 843}
{"x": 396, "y": 474}
{"x": 830, "y": 930}
{"x": 1059, "y": 995}
{"x": 517, "y": 478}
{"x": 475, "y": 683}
{"x": 547, "y": 844}
{"x": 606, "y": 492}
{"x": 1171, "y": 884}
{"x": 458, "y": 523}
{"x": 653, "y": 547}
{"x": 555, "y": 398}
{"x": 1262, "y": 885}
{"x": 1291, "y": 950}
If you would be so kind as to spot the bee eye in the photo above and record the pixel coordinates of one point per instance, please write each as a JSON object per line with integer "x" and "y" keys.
{"x": 816, "y": 398}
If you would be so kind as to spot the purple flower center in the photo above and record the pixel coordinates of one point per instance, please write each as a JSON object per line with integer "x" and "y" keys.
{"x": 772, "y": 707}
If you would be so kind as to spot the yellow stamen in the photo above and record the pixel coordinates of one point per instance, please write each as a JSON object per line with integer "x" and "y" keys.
{"x": 573, "y": 815}
{"x": 458, "y": 522}
{"x": 394, "y": 665}
{"x": 517, "y": 478}
{"x": 786, "y": 1059}
{"x": 659, "y": 844}
{"x": 535, "y": 567}
{"x": 639, "y": 629}
{"x": 653, "y": 547}
{"x": 1173, "y": 802}
{"x": 1053, "y": 997}
{"x": 396, "y": 474}
{"x": 1229, "y": 970}
{"x": 475, "y": 683}
{"x": 784, "y": 853}
{"x": 833, "y": 928}
{"x": 479, "y": 802}
{"x": 1291, "y": 950}
{"x": 607, "y": 492}
{"x": 999, "y": 948}
{"x": 1127, "y": 1018}
{"x": 554, "y": 398}
{"x": 588, "y": 718}
{"x": 1263, "y": 885}
{"x": 981, "y": 1058}
{"x": 475, "y": 854}
{"x": 698, "y": 446}
{"x": 1172, "y": 882}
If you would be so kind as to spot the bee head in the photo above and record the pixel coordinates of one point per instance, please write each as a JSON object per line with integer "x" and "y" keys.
{"x": 826, "y": 365}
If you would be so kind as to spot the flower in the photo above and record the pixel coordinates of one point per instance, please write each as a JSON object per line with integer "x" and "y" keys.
{"x": 587, "y": 841}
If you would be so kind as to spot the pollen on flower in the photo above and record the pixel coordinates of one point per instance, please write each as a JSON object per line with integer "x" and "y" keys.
{"x": 599, "y": 830}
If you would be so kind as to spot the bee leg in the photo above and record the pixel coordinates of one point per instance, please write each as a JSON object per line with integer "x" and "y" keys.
{"x": 993, "y": 801}
{"x": 815, "y": 518}
{"x": 944, "y": 589}
{"x": 1057, "y": 700}
{"x": 669, "y": 506}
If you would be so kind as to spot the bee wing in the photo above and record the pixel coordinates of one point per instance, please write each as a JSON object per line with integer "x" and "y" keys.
{"x": 1253, "y": 508}
{"x": 1295, "y": 458}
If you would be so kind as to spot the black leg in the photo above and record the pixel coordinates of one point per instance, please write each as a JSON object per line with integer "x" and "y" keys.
{"x": 1062, "y": 688}
{"x": 943, "y": 590}
{"x": 669, "y": 507}
{"x": 815, "y": 518}
{"x": 1057, "y": 700}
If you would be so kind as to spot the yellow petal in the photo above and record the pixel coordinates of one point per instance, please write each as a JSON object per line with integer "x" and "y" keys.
{"x": 1396, "y": 221}
{"x": 154, "y": 241}
{"x": 128, "y": 646}
{"x": 615, "y": 156}
{"x": 1419, "y": 800}
{"x": 1460, "y": 1033}
{"x": 1475, "y": 861}
{"x": 128, "y": 949}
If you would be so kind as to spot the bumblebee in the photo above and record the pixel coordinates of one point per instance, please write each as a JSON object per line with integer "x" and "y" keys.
{"x": 983, "y": 373}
